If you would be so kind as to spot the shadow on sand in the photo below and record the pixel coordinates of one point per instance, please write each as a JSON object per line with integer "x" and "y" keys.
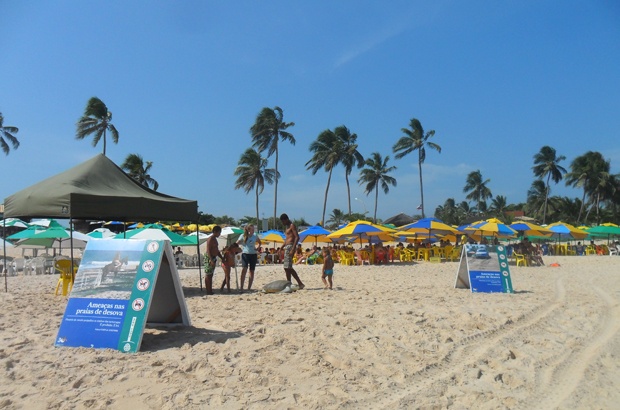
{"x": 159, "y": 338}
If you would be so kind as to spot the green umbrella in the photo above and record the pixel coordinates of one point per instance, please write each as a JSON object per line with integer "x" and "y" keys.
{"x": 51, "y": 238}
{"x": 603, "y": 231}
{"x": 157, "y": 234}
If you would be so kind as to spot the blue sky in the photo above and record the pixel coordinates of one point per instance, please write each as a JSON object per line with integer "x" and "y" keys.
{"x": 185, "y": 81}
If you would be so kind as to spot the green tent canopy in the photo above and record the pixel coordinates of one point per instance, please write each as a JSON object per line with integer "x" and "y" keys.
{"x": 97, "y": 189}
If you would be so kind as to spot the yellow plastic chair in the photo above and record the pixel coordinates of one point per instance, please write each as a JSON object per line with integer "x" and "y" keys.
{"x": 65, "y": 269}
{"x": 346, "y": 258}
{"x": 454, "y": 255}
{"x": 520, "y": 259}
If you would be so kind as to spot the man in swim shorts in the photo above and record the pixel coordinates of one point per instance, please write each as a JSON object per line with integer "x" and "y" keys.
{"x": 290, "y": 244}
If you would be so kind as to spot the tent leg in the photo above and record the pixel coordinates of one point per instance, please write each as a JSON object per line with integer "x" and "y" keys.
{"x": 198, "y": 251}
{"x": 6, "y": 285}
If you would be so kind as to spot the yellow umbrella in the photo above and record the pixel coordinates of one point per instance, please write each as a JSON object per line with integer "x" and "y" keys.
{"x": 530, "y": 229}
{"x": 491, "y": 227}
{"x": 206, "y": 228}
{"x": 272, "y": 236}
{"x": 563, "y": 230}
{"x": 362, "y": 231}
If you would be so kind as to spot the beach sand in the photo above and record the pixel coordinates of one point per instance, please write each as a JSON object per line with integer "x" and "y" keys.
{"x": 395, "y": 336}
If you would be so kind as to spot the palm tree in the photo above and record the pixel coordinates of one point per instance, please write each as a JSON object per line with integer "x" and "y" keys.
{"x": 252, "y": 172}
{"x": 96, "y": 120}
{"x": 6, "y": 133}
{"x": 266, "y": 132}
{"x": 336, "y": 219}
{"x": 499, "y": 205}
{"x": 582, "y": 169}
{"x": 350, "y": 156}
{"x": 603, "y": 187}
{"x": 415, "y": 139}
{"x": 447, "y": 212}
{"x": 547, "y": 164}
{"x": 327, "y": 152}
{"x": 136, "y": 169}
{"x": 478, "y": 190}
{"x": 536, "y": 198}
{"x": 376, "y": 173}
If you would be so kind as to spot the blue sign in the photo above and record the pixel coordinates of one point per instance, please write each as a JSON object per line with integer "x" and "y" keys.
{"x": 115, "y": 282}
{"x": 484, "y": 268}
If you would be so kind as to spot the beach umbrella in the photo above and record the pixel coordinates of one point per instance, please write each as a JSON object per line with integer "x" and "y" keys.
{"x": 152, "y": 232}
{"x": 55, "y": 236}
{"x": 14, "y": 223}
{"x": 26, "y": 233}
{"x": 231, "y": 234}
{"x": 101, "y": 233}
{"x": 314, "y": 234}
{"x": 202, "y": 237}
{"x": 563, "y": 230}
{"x": 491, "y": 227}
{"x": 362, "y": 231}
{"x": 272, "y": 235}
{"x": 530, "y": 229}
{"x": 427, "y": 227}
{"x": 46, "y": 223}
{"x": 603, "y": 231}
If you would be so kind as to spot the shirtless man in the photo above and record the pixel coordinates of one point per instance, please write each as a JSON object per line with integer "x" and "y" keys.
{"x": 212, "y": 253}
{"x": 290, "y": 244}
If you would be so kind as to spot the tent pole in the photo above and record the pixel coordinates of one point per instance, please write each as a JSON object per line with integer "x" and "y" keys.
{"x": 6, "y": 285}
{"x": 198, "y": 250}
{"x": 71, "y": 241}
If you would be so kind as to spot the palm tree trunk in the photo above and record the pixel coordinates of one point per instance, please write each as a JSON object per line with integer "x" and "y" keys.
{"x": 376, "y": 201}
{"x": 583, "y": 203}
{"x": 346, "y": 178}
{"x": 257, "y": 228}
{"x": 329, "y": 179}
{"x": 421, "y": 185}
{"x": 104, "y": 144}
{"x": 546, "y": 198}
{"x": 275, "y": 192}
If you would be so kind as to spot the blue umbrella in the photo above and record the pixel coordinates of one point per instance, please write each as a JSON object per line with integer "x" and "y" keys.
{"x": 315, "y": 232}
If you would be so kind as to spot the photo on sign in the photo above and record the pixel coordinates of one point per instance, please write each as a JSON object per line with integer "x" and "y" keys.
{"x": 481, "y": 258}
{"x": 106, "y": 271}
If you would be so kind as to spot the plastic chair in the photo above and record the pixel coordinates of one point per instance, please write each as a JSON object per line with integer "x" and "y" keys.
{"x": 65, "y": 269}
{"x": 454, "y": 255}
{"x": 346, "y": 258}
{"x": 262, "y": 259}
{"x": 520, "y": 259}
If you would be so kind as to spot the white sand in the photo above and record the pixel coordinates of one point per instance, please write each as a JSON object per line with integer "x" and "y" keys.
{"x": 397, "y": 336}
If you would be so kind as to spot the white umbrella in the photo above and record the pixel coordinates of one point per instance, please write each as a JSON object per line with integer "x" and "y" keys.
{"x": 14, "y": 222}
{"x": 101, "y": 233}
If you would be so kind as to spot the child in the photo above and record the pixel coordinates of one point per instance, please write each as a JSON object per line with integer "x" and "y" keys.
{"x": 328, "y": 268}
{"x": 228, "y": 262}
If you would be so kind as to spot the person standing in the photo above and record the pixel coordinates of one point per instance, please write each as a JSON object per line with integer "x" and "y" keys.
{"x": 249, "y": 257}
{"x": 211, "y": 258}
{"x": 328, "y": 269}
{"x": 229, "y": 262}
{"x": 290, "y": 244}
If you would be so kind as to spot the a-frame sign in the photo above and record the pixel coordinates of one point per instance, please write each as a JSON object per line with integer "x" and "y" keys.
{"x": 484, "y": 268}
{"x": 122, "y": 285}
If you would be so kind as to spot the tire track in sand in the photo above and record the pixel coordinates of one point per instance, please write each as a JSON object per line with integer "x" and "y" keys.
{"x": 567, "y": 376}
{"x": 466, "y": 352}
